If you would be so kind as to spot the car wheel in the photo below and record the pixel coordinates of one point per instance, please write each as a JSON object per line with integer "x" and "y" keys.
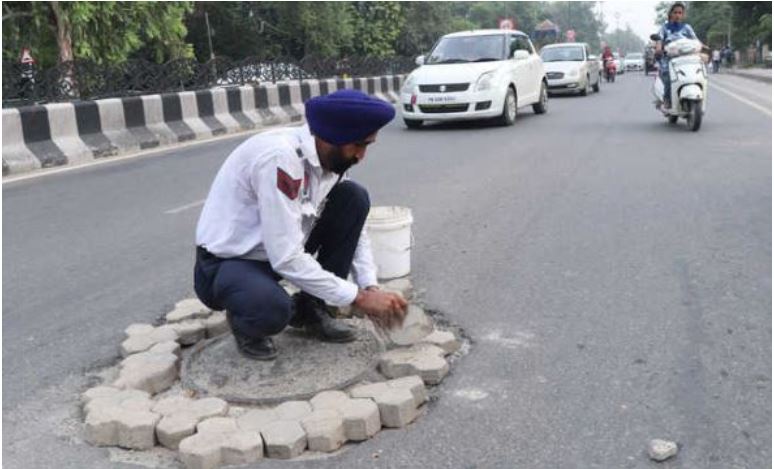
{"x": 508, "y": 117}
{"x": 412, "y": 123}
{"x": 585, "y": 90}
{"x": 596, "y": 85}
{"x": 541, "y": 106}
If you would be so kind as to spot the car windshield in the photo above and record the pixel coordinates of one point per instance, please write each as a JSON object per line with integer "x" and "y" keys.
{"x": 465, "y": 49}
{"x": 634, "y": 56}
{"x": 562, "y": 54}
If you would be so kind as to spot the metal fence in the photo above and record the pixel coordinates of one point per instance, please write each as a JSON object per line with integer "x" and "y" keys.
{"x": 84, "y": 80}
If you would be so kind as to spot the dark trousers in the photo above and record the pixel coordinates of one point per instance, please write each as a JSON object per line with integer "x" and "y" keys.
{"x": 249, "y": 289}
{"x": 666, "y": 80}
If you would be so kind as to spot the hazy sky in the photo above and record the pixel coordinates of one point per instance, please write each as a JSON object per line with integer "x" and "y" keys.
{"x": 640, "y": 15}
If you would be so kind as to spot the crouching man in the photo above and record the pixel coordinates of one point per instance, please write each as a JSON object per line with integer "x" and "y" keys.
{"x": 280, "y": 207}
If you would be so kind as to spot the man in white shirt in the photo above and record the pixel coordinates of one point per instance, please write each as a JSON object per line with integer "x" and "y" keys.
{"x": 279, "y": 200}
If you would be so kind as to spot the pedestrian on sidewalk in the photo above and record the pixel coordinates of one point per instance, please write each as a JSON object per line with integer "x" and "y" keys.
{"x": 279, "y": 199}
{"x": 715, "y": 60}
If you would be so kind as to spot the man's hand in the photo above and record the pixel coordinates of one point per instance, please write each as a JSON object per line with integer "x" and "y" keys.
{"x": 387, "y": 310}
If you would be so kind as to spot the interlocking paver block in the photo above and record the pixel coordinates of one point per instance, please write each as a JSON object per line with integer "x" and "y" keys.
{"x": 361, "y": 419}
{"x": 284, "y": 439}
{"x": 397, "y": 407}
{"x": 190, "y": 308}
{"x": 141, "y": 337}
{"x": 257, "y": 419}
{"x": 293, "y": 410}
{"x": 444, "y": 340}
{"x": 397, "y": 399}
{"x": 399, "y": 285}
{"x": 220, "y": 442}
{"x": 216, "y": 324}
{"x": 190, "y": 331}
{"x": 328, "y": 399}
{"x": 324, "y": 430}
{"x": 415, "y": 327}
{"x": 152, "y": 371}
{"x": 120, "y": 418}
{"x": 181, "y": 414}
{"x": 361, "y": 416}
{"x": 424, "y": 360}
{"x": 414, "y": 384}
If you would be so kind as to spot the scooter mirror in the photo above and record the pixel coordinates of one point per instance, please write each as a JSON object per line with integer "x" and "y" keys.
{"x": 655, "y": 37}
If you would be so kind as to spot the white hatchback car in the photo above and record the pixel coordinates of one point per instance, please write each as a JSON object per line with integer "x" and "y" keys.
{"x": 570, "y": 68}
{"x": 475, "y": 75}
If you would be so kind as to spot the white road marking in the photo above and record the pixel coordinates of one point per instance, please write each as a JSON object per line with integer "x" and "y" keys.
{"x": 741, "y": 99}
{"x": 472, "y": 394}
{"x": 520, "y": 339}
{"x": 185, "y": 207}
{"x": 738, "y": 88}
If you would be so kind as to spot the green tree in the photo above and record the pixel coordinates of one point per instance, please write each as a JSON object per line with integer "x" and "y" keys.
{"x": 100, "y": 31}
{"x": 377, "y": 27}
{"x": 578, "y": 16}
{"x": 624, "y": 40}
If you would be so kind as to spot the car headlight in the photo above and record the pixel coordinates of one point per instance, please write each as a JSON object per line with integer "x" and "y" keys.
{"x": 408, "y": 85}
{"x": 573, "y": 72}
{"x": 485, "y": 81}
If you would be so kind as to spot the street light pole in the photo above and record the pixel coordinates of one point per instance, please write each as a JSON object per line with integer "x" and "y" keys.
{"x": 209, "y": 34}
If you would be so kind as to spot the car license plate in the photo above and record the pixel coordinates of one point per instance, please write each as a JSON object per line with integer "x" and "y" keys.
{"x": 441, "y": 99}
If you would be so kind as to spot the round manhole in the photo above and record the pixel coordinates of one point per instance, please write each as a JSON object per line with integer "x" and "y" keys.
{"x": 304, "y": 367}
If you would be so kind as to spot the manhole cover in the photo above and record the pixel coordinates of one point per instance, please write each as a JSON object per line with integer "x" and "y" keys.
{"x": 304, "y": 367}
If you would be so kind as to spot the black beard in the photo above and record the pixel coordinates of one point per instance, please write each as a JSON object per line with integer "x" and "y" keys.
{"x": 338, "y": 164}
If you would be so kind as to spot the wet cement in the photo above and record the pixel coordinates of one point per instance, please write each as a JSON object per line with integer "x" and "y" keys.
{"x": 304, "y": 367}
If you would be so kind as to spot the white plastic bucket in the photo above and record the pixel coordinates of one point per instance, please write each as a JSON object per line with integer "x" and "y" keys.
{"x": 389, "y": 229}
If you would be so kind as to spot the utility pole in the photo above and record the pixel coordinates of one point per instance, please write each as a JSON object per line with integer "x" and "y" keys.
{"x": 209, "y": 34}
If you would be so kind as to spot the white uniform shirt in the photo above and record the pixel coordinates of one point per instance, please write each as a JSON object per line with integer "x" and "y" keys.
{"x": 263, "y": 204}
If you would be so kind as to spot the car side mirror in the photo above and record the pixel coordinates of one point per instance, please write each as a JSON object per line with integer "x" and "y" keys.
{"x": 593, "y": 57}
{"x": 420, "y": 60}
{"x": 655, "y": 37}
{"x": 520, "y": 55}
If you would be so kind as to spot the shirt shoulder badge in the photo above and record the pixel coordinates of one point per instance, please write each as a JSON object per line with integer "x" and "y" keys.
{"x": 287, "y": 185}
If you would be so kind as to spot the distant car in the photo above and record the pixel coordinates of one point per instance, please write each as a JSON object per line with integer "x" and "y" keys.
{"x": 570, "y": 68}
{"x": 618, "y": 63}
{"x": 634, "y": 61}
{"x": 475, "y": 75}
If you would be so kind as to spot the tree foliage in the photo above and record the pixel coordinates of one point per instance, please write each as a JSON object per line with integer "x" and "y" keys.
{"x": 713, "y": 22}
{"x": 100, "y": 31}
{"x": 624, "y": 40}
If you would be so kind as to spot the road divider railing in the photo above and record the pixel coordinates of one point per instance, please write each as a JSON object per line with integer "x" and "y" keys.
{"x": 67, "y": 134}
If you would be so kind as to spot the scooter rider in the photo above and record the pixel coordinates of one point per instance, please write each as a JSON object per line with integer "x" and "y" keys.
{"x": 607, "y": 55}
{"x": 672, "y": 30}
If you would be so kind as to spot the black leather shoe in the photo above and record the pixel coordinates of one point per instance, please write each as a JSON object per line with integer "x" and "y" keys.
{"x": 255, "y": 348}
{"x": 312, "y": 314}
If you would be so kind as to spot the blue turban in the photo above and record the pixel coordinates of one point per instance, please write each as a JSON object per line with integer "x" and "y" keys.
{"x": 347, "y": 116}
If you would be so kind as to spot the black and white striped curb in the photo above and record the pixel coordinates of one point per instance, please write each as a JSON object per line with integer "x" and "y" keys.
{"x": 75, "y": 133}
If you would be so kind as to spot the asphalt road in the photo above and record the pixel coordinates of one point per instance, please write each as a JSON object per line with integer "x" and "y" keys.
{"x": 613, "y": 271}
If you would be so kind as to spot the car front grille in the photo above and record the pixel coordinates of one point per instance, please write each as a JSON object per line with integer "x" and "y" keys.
{"x": 554, "y": 75}
{"x": 442, "y": 108}
{"x": 450, "y": 88}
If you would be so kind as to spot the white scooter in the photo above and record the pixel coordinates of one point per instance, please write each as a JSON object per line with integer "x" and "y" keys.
{"x": 688, "y": 76}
